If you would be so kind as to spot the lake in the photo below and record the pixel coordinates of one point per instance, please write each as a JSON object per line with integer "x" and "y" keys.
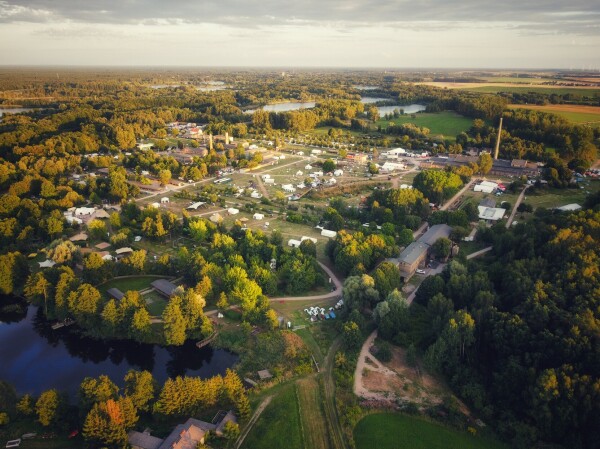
{"x": 34, "y": 358}
{"x": 284, "y": 107}
{"x": 367, "y": 100}
{"x": 408, "y": 109}
{"x": 14, "y": 110}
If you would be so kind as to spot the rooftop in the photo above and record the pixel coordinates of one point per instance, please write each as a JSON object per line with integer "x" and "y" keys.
{"x": 412, "y": 252}
{"x": 434, "y": 233}
{"x": 163, "y": 286}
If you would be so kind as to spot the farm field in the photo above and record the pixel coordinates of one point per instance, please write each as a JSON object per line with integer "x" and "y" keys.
{"x": 573, "y": 113}
{"x": 395, "y": 431}
{"x": 279, "y": 426}
{"x": 446, "y": 125}
{"x": 511, "y": 88}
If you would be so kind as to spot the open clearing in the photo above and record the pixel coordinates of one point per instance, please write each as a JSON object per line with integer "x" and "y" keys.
{"x": 491, "y": 87}
{"x": 311, "y": 414}
{"x": 131, "y": 283}
{"x": 446, "y": 125}
{"x": 573, "y": 113}
{"x": 279, "y": 426}
{"x": 550, "y": 198}
{"x": 396, "y": 431}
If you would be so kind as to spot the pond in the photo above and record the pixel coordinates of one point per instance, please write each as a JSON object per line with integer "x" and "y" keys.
{"x": 284, "y": 107}
{"x": 408, "y": 109}
{"x": 14, "y": 110}
{"x": 34, "y": 358}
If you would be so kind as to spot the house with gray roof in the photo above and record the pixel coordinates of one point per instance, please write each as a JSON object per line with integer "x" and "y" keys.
{"x": 164, "y": 287}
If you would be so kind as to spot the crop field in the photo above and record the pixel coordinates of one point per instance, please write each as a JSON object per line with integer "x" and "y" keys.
{"x": 395, "y": 431}
{"x": 573, "y": 113}
{"x": 280, "y": 425}
{"x": 511, "y": 88}
{"x": 446, "y": 125}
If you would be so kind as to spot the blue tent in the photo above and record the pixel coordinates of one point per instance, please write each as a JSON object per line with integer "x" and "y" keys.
{"x": 331, "y": 314}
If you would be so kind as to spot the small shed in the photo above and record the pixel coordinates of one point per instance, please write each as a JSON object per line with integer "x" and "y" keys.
{"x": 101, "y": 213}
{"x": 258, "y": 216}
{"x": 115, "y": 293}
{"x": 164, "y": 287}
{"x": 81, "y": 237}
{"x": 124, "y": 251}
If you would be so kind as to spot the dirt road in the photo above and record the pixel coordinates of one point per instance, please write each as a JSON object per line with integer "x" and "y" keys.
{"x": 517, "y": 204}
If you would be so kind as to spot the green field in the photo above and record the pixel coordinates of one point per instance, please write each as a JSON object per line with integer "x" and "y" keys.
{"x": 550, "y": 198}
{"x": 314, "y": 424}
{"x": 539, "y": 90}
{"x": 132, "y": 283}
{"x": 156, "y": 303}
{"x": 444, "y": 124}
{"x": 279, "y": 426}
{"x": 394, "y": 431}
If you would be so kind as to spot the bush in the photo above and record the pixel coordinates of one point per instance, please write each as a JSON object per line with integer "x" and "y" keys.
{"x": 384, "y": 352}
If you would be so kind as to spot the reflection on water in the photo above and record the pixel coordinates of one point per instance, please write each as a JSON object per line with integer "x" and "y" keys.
{"x": 33, "y": 357}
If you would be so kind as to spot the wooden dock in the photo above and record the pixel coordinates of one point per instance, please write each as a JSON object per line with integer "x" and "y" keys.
{"x": 65, "y": 323}
{"x": 207, "y": 340}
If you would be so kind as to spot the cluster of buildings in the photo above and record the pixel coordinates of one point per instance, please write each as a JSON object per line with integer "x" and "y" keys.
{"x": 416, "y": 254}
{"x": 188, "y": 435}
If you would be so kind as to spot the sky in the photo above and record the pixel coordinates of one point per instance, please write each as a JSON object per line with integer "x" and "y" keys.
{"x": 302, "y": 33}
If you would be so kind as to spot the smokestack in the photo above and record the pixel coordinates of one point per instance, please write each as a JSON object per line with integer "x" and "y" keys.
{"x": 210, "y": 142}
{"x": 226, "y": 138}
{"x": 498, "y": 140}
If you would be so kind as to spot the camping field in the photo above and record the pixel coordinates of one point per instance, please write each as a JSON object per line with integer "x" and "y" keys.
{"x": 395, "y": 431}
{"x": 446, "y": 125}
{"x": 573, "y": 113}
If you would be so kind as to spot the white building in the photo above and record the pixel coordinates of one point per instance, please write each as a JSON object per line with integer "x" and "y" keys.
{"x": 395, "y": 153}
{"x": 491, "y": 213}
{"x": 288, "y": 188}
{"x": 393, "y": 166}
{"x": 258, "y": 216}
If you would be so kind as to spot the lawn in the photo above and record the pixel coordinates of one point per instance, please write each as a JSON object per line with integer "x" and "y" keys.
{"x": 155, "y": 302}
{"x": 130, "y": 283}
{"x": 279, "y": 426}
{"x": 395, "y": 431}
{"x": 446, "y": 125}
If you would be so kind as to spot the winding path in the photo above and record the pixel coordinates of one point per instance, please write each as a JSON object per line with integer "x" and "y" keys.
{"x": 334, "y": 294}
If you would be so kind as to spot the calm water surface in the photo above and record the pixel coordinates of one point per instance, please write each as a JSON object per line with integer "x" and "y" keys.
{"x": 33, "y": 357}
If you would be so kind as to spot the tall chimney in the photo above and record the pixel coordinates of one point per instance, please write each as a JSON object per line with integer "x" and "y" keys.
{"x": 226, "y": 138}
{"x": 210, "y": 142}
{"x": 498, "y": 140}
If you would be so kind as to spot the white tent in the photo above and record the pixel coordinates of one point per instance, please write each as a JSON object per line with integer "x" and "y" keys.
{"x": 47, "y": 263}
{"x": 195, "y": 206}
{"x": 258, "y": 216}
{"x": 328, "y": 233}
{"x": 294, "y": 243}
{"x": 164, "y": 199}
{"x": 308, "y": 238}
{"x": 233, "y": 211}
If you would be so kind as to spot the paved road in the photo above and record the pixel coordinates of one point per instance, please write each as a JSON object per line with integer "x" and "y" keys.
{"x": 451, "y": 201}
{"x": 514, "y": 211}
{"x": 337, "y": 292}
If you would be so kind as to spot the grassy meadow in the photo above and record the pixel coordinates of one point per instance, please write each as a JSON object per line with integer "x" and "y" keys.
{"x": 445, "y": 125}
{"x": 395, "y": 431}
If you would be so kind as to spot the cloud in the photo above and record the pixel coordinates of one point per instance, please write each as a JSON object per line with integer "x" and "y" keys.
{"x": 556, "y": 15}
